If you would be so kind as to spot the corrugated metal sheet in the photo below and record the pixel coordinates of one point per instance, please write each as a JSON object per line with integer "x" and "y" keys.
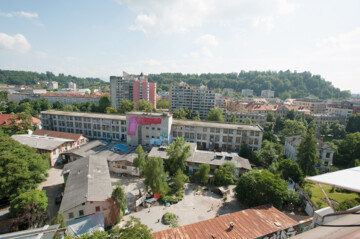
{"x": 250, "y": 223}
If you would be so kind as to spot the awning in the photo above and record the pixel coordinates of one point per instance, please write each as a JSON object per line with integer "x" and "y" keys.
{"x": 347, "y": 179}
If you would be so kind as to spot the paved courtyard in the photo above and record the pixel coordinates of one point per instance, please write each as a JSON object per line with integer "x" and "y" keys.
{"x": 192, "y": 208}
{"x": 53, "y": 185}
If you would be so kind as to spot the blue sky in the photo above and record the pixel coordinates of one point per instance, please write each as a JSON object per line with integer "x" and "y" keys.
{"x": 99, "y": 38}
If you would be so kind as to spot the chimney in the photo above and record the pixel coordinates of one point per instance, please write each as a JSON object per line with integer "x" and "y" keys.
{"x": 231, "y": 226}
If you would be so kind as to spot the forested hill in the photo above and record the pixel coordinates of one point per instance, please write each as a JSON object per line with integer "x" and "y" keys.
{"x": 31, "y": 78}
{"x": 286, "y": 84}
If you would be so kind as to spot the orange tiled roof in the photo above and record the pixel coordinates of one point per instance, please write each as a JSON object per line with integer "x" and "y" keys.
{"x": 4, "y": 119}
{"x": 250, "y": 223}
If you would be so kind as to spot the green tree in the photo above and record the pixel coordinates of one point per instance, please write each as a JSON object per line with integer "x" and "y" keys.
{"x": 4, "y": 95}
{"x": 57, "y": 105}
{"x": 232, "y": 167}
{"x": 26, "y": 108}
{"x": 256, "y": 188}
{"x": 104, "y": 102}
{"x": 133, "y": 229}
{"x": 118, "y": 195}
{"x": 58, "y": 219}
{"x": 233, "y": 119}
{"x": 291, "y": 170}
{"x": 337, "y": 130}
{"x": 162, "y": 104}
{"x": 307, "y": 154}
{"x": 270, "y": 117}
{"x": 195, "y": 115}
{"x": 215, "y": 114}
{"x": 179, "y": 180}
{"x": 324, "y": 128}
{"x": 177, "y": 153}
{"x": 202, "y": 175}
{"x": 269, "y": 136}
{"x": 223, "y": 176}
{"x": 11, "y": 107}
{"x": 291, "y": 115}
{"x": 279, "y": 124}
{"x": 69, "y": 108}
{"x": 246, "y": 152}
{"x": 30, "y": 208}
{"x": 155, "y": 176}
{"x": 179, "y": 114}
{"x": 246, "y": 121}
{"x": 140, "y": 161}
{"x": 126, "y": 106}
{"x": 268, "y": 153}
{"x": 110, "y": 110}
{"x": 21, "y": 168}
{"x": 293, "y": 127}
{"x": 144, "y": 105}
{"x": 348, "y": 150}
{"x": 353, "y": 124}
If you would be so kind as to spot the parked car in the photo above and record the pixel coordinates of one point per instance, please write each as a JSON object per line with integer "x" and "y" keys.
{"x": 59, "y": 197}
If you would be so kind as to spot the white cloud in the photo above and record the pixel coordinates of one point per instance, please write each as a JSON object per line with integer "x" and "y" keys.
{"x": 23, "y": 14}
{"x": 207, "y": 40}
{"x": 27, "y": 14}
{"x": 164, "y": 16}
{"x": 14, "y": 43}
{"x": 264, "y": 22}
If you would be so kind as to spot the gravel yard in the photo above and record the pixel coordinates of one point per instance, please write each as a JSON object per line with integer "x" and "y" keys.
{"x": 194, "y": 207}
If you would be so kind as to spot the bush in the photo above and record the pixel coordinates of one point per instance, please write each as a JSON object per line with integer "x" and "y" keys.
{"x": 173, "y": 198}
{"x": 292, "y": 197}
{"x": 347, "y": 205}
{"x": 169, "y": 218}
{"x": 174, "y": 224}
{"x": 308, "y": 192}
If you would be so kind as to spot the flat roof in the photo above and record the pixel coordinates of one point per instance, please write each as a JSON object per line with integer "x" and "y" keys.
{"x": 151, "y": 114}
{"x": 216, "y": 125}
{"x": 40, "y": 142}
{"x": 84, "y": 114}
{"x": 106, "y": 150}
{"x": 334, "y": 232}
{"x": 219, "y": 158}
{"x": 347, "y": 179}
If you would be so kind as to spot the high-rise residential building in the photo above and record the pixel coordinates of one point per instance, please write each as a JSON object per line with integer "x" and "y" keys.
{"x": 144, "y": 90}
{"x": 128, "y": 87}
{"x": 196, "y": 99}
{"x": 267, "y": 93}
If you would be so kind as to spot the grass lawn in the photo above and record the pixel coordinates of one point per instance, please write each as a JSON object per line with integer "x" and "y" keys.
{"x": 317, "y": 195}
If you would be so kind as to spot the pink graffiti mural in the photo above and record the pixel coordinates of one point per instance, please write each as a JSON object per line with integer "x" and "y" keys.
{"x": 134, "y": 121}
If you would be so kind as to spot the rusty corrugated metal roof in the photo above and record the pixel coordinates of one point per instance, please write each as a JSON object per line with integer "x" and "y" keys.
{"x": 249, "y": 223}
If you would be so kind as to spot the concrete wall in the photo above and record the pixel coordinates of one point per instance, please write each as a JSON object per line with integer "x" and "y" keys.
{"x": 88, "y": 209}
